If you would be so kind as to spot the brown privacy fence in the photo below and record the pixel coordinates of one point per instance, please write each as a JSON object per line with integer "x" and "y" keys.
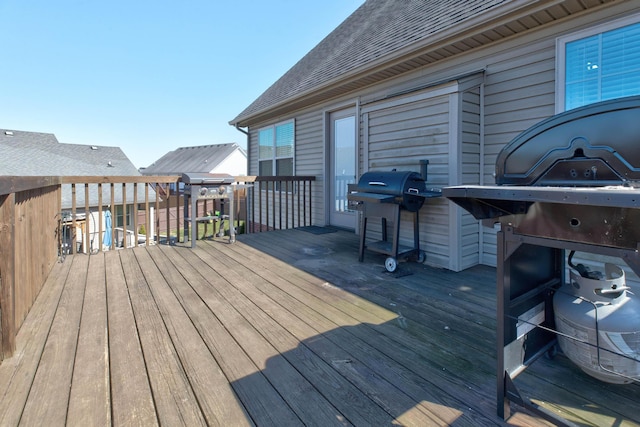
{"x": 29, "y": 216}
{"x": 42, "y": 219}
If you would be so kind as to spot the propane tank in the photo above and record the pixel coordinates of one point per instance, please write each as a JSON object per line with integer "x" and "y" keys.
{"x": 602, "y": 318}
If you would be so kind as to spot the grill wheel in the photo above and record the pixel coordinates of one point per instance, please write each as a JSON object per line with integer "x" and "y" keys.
{"x": 391, "y": 264}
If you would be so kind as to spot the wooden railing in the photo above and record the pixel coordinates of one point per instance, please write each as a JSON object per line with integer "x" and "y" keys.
{"x": 279, "y": 202}
{"x": 43, "y": 219}
{"x": 111, "y": 212}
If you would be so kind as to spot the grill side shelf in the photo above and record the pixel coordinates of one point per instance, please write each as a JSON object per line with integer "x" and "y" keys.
{"x": 371, "y": 197}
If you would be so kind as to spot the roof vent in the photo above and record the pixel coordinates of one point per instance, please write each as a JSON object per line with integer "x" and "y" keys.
{"x": 93, "y": 147}
{"x": 109, "y": 164}
{"x": 8, "y": 133}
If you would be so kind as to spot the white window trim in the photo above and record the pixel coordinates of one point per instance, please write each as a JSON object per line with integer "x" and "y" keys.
{"x": 273, "y": 128}
{"x": 275, "y": 158}
{"x": 561, "y": 42}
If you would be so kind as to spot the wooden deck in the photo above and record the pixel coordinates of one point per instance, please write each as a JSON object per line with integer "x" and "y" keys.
{"x": 281, "y": 328}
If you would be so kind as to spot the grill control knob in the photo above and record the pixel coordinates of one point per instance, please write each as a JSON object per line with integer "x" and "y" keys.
{"x": 222, "y": 189}
{"x": 204, "y": 191}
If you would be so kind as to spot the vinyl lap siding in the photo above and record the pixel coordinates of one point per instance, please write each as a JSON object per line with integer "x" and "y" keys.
{"x": 399, "y": 136}
{"x": 519, "y": 92}
{"x": 469, "y": 245}
{"x": 308, "y": 160}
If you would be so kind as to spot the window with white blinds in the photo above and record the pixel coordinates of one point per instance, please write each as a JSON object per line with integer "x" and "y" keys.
{"x": 600, "y": 64}
{"x": 276, "y": 150}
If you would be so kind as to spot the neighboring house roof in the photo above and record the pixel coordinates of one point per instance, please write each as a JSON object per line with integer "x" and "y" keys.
{"x": 201, "y": 159}
{"x": 40, "y": 154}
{"x": 386, "y": 38}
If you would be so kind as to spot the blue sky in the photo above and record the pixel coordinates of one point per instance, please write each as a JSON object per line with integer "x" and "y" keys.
{"x": 149, "y": 76}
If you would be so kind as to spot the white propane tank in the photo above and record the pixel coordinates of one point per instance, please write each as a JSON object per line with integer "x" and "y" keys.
{"x": 603, "y": 316}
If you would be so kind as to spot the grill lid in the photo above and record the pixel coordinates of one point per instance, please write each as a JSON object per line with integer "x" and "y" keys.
{"x": 207, "y": 178}
{"x": 395, "y": 183}
{"x": 596, "y": 145}
{"x": 406, "y": 188}
{"x": 574, "y": 177}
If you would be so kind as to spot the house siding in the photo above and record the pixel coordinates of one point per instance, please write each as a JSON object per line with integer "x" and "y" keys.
{"x": 459, "y": 130}
{"x": 310, "y": 158}
{"x": 471, "y": 141}
{"x": 399, "y": 135}
{"x": 235, "y": 164}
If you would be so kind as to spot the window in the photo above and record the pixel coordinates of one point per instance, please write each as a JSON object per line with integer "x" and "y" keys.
{"x": 119, "y": 220}
{"x": 275, "y": 150}
{"x": 599, "y": 64}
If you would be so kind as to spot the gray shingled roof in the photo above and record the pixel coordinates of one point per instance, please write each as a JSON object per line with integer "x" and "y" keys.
{"x": 40, "y": 154}
{"x": 376, "y": 30}
{"x": 385, "y": 38}
{"x": 198, "y": 159}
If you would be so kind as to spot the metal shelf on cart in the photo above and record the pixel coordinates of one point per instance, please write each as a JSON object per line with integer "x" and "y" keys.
{"x": 387, "y": 248}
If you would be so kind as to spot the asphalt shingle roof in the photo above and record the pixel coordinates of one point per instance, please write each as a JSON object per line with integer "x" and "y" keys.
{"x": 40, "y": 154}
{"x": 197, "y": 159}
{"x": 376, "y": 31}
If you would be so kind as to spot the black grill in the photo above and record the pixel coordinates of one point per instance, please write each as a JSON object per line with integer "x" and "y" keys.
{"x": 384, "y": 194}
{"x": 569, "y": 183}
{"x": 406, "y": 189}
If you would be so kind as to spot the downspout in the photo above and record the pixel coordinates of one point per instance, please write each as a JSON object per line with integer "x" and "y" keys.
{"x": 237, "y": 126}
{"x": 481, "y": 231}
{"x": 248, "y": 208}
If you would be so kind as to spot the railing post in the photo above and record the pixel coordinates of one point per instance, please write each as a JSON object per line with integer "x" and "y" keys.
{"x": 113, "y": 216}
{"x": 135, "y": 214}
{"x": 7, "y": 275}
{"x": 100, "y": 230}
{"x": 72, "y": 234}
{"x": 286, "y": 207}
{"x": 147, "y": 225}
{"x": 87, "y": 228}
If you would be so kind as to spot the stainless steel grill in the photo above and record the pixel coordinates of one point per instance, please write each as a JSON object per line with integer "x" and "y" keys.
{"x": 569, "y": 183}
{"x": 384, "y": 195}
{"x": 205, "y": 186}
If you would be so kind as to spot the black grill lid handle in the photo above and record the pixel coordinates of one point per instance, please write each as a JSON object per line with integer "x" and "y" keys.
{"x": 380, "y": 183}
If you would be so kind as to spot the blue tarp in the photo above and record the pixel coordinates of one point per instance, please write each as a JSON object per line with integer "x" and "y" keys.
{"x": 106, "y": 240}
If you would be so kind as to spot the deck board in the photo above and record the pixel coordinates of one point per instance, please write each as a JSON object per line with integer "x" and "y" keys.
{"x": 49, "y": 395}
{"x": 281, "y": 328}
{"x": 337, "y": 329}
{"x": 17, "y": 372}
{"x": 215, "y": 399}
{"x": 131, "y": 398}
{"x": 206, "y": 305}
{"x": 394, "y": 336}
{"x": 350, "y": 367}
{"x": 174, "y": 399}
{"x": 89, "y": 402}
{"x": 252, "y": 332}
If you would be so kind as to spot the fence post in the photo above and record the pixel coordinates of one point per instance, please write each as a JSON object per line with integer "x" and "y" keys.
{"x": 7, "y": 275}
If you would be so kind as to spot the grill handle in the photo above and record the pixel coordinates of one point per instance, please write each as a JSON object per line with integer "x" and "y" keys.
{"x": 413, "y": 190}
{"x": 380, "y": 183}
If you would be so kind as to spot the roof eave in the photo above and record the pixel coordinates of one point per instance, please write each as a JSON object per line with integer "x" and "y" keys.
{"x": 478, "y": 31}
